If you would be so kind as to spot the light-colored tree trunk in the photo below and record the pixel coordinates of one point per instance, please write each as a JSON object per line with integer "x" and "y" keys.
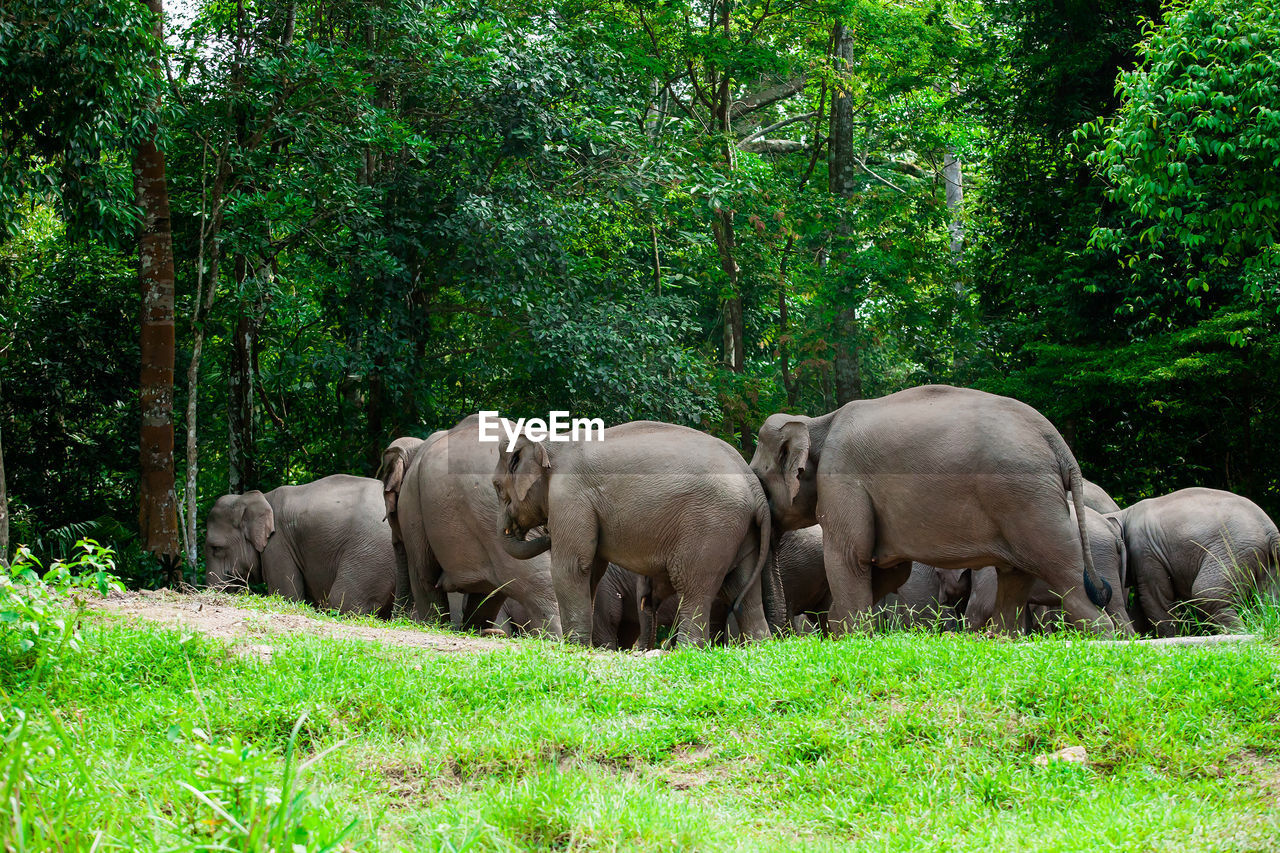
{"x": 158, "y": 504}
{"x": 953, "y": 178}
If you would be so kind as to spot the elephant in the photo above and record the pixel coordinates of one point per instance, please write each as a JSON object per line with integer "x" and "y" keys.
{"x": 1041, "y": 606}
{"x": 1204, "y": 547}
{"x": 395, "y": 462}
{"x": 448, "y": 513}
{"x": 623, "y": 611}
{"x": 798, "y": 554}
{"x": 919, "y": 603}
{"x": 1097, "y": 499}
{"x": 664, "y": 501}
{"x": 952, "y": 477}
{"x": 323, "y": 542}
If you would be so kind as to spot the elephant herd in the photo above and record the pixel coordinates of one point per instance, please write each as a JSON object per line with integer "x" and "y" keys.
{"x": 936, "y": 506}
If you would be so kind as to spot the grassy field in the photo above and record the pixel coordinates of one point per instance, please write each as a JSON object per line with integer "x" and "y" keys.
{"x": 148, "y": 738}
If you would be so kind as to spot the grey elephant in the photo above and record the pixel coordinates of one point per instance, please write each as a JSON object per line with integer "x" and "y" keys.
{"x": 951, "y": 477}
{"x": 624, "y": 611}
{"x": 1041, "y": 608}
{"x": 1097, "y": 499}
{"x": 919, "y": 603}
{"x": 396, "y": 459}
{"x": 798, "y": 555}
{"x": 662, "y": 500}
{"x": 448, "y": 514}
{"x": 324, "y": 542}
{"x": 1202, "y": 547}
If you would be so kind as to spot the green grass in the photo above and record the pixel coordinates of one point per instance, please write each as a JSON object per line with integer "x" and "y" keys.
{"x": 149, "y": 739}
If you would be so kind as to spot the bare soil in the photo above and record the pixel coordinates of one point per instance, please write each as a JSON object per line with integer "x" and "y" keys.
{"x": 219, "y": 615}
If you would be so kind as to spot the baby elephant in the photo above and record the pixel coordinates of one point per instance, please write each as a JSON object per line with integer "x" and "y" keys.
{"x": 324, "y": 542}
{"x": 1201, "y": 546}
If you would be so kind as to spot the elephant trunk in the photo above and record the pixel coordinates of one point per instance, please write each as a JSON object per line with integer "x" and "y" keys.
{"x": 514, "y": 543}
{"x": 404, "y": 593}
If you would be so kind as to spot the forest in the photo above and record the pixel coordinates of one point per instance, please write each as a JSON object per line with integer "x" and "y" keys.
{"x": 259, "y": 239}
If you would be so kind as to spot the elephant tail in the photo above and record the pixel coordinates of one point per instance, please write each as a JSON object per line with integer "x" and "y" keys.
{"x": 771, "y": 590}
{"x": 1098, "y": 590}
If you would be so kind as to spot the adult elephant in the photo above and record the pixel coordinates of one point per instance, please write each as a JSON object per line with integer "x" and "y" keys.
{"x": 665, "y": 501}
{"x": 1203, "y": 547}
{"x": 323, "y": 542}
{"x": 1110, "y": 558}
{"x": 396, "y": 459}
{"x": 447, "y": 514}
{"x": 1097, "y": 499}
{"x": 951, "y": 477}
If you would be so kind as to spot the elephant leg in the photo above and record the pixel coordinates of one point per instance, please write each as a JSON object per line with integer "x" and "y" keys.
{"x": 1215, "y": 592}
{"x": 606, "y": 618}
{"x": 848, "y": 537}
{"x": 481, "y": 610}
{"x": 693, "y": 618}
{"x": 430, "y": 602}
{"x": 647, "y": 614}
{"x": 1118, "y": 610}
{"x": 1013, "y": 587}
{"x": 571, "y": 576}
{"x": 1155, "y": 594}
{"x": 752, "y": 624}
{"x": 980, "y": 606}
{"x": 403, "y": 606}
{"x": 1053, "y": 554}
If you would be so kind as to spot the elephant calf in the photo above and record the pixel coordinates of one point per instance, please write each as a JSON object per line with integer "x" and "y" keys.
{"x": 324, "y": 542}
{"x": 1200, "y": 546}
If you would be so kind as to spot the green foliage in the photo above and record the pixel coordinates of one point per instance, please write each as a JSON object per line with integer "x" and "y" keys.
{"x": 1193, "y": 153}
{"x": 68, "y": 383}
{"x": 75, "y": 98}
{"x": 253, "y": 795}
{"x": 39, "y": 624}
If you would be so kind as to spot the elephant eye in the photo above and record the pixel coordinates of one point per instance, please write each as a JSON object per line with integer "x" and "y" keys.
{"x": 515, "y": 460}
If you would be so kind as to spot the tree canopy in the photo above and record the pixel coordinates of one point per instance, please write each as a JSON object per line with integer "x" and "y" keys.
{"x": 388, "y": 215}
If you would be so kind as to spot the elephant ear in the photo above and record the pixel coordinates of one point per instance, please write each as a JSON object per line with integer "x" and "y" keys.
{"x": 395, "y": 461}
{"x": 529, "y": 461}
{"x": 259, "y": 521}
{"x": 794, "y": 454}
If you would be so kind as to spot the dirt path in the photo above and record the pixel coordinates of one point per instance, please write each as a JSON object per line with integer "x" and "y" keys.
{"x": 218, "y": 615}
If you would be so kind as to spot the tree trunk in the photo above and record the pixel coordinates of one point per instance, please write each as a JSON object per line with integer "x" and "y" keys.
{"x": 242, "y": 441}
{"x": 158, "y": 513}
{"x": 4, "y": 512}
{"x": 953, "y": 177}
{"x": 840, "y": 182}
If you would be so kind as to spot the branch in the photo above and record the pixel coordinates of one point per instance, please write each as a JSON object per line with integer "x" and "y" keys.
{"x": 765, "y": 97}
{"x": 773, "y": 146}
{"x": 882, "y": 180}
{"x": 775, "y": 126}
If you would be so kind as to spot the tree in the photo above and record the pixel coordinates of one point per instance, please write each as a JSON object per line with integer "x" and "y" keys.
{"x": 158, "y": 514}
{"x": 1193, "y": 153}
